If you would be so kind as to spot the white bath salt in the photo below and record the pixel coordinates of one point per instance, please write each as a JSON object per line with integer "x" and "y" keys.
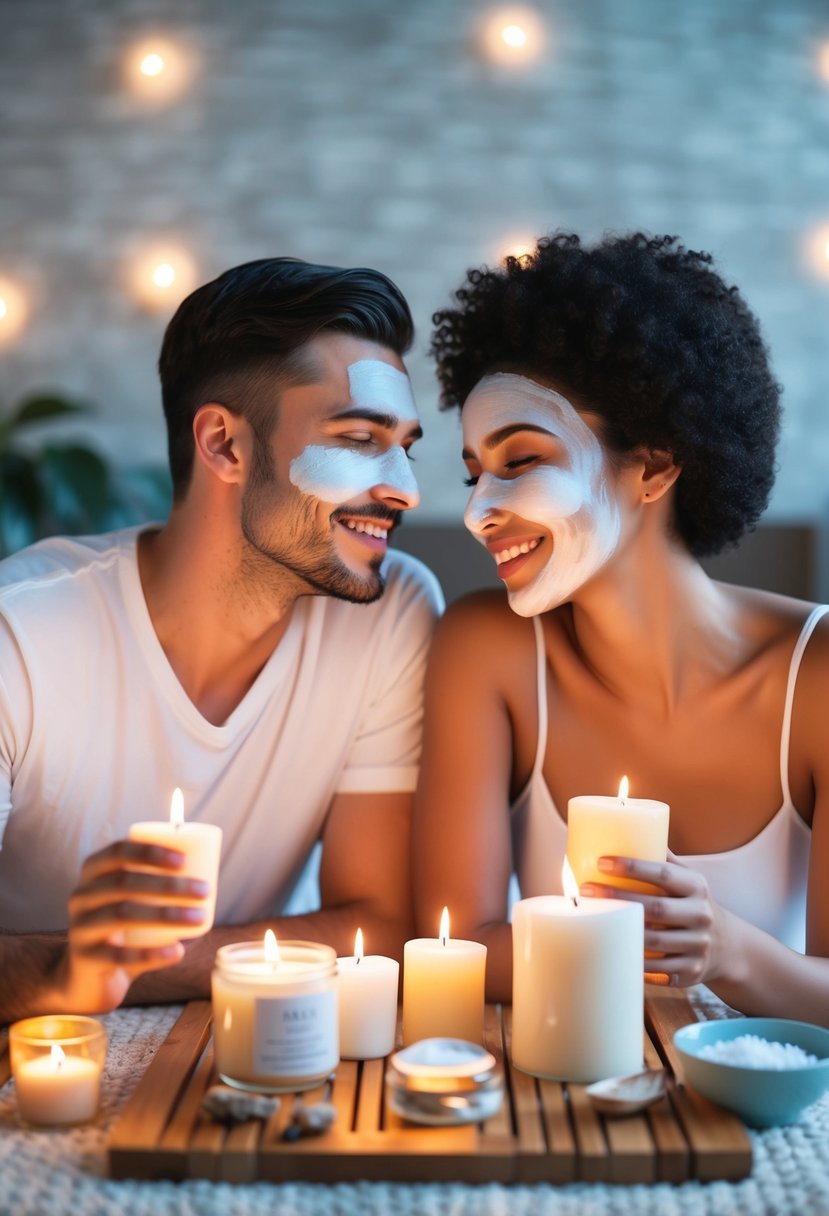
{"x": 750, "y": 1051}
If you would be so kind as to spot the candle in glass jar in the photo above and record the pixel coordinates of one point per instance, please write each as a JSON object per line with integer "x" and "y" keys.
{"x": 443, "y": 987}
{"x": 57, "y": 1063}
{"x": 201, "y": 844}
{"x": 578, "y": 986}
{"x": 600, "y": 826}
{"x": 367, "y": 999}
{"x": 275, "y": 1014}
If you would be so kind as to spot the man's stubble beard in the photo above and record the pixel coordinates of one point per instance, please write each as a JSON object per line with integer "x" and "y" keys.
{"x": 316, "y": 564}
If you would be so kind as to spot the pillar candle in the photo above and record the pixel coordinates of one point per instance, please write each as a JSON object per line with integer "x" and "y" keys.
{"x": 578, "y": 987}
{"x": 201, "y": 844}
{"x": 443, "y": 988}
{"x": 367, "y": 999}
{"x": 623, "y": 827}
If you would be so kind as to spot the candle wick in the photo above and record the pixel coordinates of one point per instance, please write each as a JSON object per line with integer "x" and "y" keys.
{"x": 443, "y": 941}
{"x": 359, "y": 959}
{"x": 575, "y": 902}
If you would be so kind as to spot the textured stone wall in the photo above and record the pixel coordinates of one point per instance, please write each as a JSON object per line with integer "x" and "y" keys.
{"x": 373, "y": 132}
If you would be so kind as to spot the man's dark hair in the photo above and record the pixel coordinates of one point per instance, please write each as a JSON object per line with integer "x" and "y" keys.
{"x": 238, "y": 340}
{"x": 643, "y": 333}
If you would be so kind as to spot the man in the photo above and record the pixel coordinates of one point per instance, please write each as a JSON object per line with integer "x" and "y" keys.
{"x": 241, "y": 651}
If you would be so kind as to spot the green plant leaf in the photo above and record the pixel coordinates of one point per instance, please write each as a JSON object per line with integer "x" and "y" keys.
{"x": 77, "y": 484}
{"x": 45, "y": 406}
{"x": 21, "y": 502}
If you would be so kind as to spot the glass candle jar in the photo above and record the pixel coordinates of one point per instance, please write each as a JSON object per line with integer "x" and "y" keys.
{"x": 56, "y": 1063}
{"x": 275, "y": 1022}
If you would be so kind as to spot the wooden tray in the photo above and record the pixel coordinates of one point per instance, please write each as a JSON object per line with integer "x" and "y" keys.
{"x": 545, "y": 1131}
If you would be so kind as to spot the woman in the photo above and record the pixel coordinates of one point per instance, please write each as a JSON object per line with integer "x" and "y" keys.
{"x": 620, "y": 421}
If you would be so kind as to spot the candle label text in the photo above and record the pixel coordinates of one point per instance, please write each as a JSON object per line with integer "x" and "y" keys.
{"x": 295, "y": 1036}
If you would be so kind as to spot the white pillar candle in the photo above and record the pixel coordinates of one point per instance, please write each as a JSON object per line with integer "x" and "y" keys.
{"x": 577, "y": 986}
{"x": 201, "y": 844}
{"x": 443, "y": 988}
{"x": 57, "y": 1063}
{"x": 367, "y": 999}
{"x": 600, "y": 826}
{"x": 275, "y": 1014}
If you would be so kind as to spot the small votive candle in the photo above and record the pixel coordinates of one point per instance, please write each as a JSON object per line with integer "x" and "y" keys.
{"x": 275, "y": 1014}
{"x": 367, "y": 996}
{"x": 623, "y": 827}
{"x": 444, "y": 981}
{"x": 56, "y": 1063}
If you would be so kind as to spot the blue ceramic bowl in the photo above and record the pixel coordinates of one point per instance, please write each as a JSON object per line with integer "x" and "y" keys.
{"x": 762, "y": 1097}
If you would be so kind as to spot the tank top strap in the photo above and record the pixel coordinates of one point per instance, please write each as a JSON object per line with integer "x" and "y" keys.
{"x": 794, "y": 667}
{"x": 541, "y": 682}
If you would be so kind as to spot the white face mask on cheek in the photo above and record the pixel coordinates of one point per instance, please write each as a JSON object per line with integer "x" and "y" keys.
{"x": 571, "y": 501}
{"x": 336, "y": 475}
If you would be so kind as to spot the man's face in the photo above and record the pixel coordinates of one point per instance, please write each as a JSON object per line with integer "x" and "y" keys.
{"x": 543, "y": 502}
{"x": 330, "y": 483}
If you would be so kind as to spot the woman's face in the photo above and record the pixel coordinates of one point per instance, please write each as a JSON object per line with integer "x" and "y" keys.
{"x": 544, "y": 502}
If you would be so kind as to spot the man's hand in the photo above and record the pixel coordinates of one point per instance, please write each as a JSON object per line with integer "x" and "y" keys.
{"x": 126, "y": 886}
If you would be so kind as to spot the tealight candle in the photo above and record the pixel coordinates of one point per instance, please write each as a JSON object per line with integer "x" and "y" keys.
{"x": 275, "y": 1014}
{"x": 367, "y": 998}
{"x": 443, "y": 987}
{"x": 622, "y": 827}
{"x": 201, "y": 844}
{"x": 56, "y": 1063}
{"x": 578, "y": 986}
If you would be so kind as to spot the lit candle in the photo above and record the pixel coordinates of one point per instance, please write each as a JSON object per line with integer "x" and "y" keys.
{"x": 618, "y": 827}
{"x": 578, "y": 986}
{"x": 367, "y": 998}
{"x": 201, "y": 844}
{"x": 275, "y": 1014}
{"x": 443, "y": 987}
{"x": 57, "y": 1063}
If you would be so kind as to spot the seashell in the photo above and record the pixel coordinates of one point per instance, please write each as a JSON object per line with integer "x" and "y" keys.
{"x": 627, "y": 1095}
{"x": 230, "y": 1105}
{"x": 310, "y": 1120}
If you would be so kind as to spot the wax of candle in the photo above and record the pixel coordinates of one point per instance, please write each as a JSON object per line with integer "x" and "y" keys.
{"x": 367, "y": 998}
{"x": 201, "y": 844}
{"x": 275, "y": 1014}
{"x": 624, "y": 827}
{"x": 443, "y": 987}
{"x": 57, "y": 1089}
{"x": 578, "y": 986}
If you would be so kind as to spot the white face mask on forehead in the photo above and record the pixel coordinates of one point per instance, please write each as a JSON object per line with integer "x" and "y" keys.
{"x": 571, "y": 500}
{"x": 336, "y": 474}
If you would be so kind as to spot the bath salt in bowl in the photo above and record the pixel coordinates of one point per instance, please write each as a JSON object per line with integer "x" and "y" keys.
{"x": 766, "y": 1070}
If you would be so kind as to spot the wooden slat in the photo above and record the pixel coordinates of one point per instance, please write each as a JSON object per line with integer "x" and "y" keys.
{"x": 664, "y": 1015}
{"x": 545, "y": 1130}
{"x": 5, "y": 1062}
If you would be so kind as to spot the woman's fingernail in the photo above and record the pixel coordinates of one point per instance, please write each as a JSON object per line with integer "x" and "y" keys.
{"x": 606, "y": 865}
{"x": 588, "y": 889}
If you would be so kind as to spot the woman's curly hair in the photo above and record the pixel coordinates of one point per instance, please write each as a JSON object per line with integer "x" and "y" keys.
{"x": 643, "y": 333}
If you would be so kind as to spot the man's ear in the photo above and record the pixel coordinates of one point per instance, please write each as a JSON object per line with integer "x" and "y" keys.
{"x": 659, "y": 473}
{"x": 222, "y": 442}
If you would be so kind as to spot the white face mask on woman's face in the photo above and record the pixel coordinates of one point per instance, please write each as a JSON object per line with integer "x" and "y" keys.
{"x": 572, "y": 499}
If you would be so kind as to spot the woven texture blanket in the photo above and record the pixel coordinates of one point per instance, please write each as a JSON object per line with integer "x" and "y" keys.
{"x": 55, "y": 1173}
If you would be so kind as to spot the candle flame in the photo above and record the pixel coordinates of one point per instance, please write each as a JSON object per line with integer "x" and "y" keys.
{"x": 358, "y": 945}
{"x": 271, "y": 948}
{"x": 444, "y": 927}
{"x": 177, "y": 809}
{"x": 58, "y": 1057}
{"x": 568, "y": 882}
{"x": 624, "y": 787}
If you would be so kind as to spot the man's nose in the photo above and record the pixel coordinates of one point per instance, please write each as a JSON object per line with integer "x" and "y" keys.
{"x": 398, "y": 487}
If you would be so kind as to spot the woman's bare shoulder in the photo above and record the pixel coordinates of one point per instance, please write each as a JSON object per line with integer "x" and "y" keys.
{"x": 482, "y": 629}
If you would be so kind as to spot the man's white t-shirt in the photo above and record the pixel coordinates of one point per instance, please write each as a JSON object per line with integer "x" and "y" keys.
{"x": 96, "y": 731}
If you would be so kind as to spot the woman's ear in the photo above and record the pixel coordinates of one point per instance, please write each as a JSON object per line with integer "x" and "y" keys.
{"x": 222, "y": 441}
{"x": 659, "y": 474}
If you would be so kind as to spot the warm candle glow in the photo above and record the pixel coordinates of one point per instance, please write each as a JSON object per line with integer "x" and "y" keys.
{"x": 152, "y": 64}
{"x": 164, "y": 275}
{"x": 512, "y": 36}
{"x": 160, "y": 276}
{"x": 158, "y": 70}
{"x": 444, "y": 926}
{"x": 13, "y": 310}
{"x": 177, "y": 809}
{"x": 568, "y": 883}
{"x": 58, "y": 1057}
{"x": 358, "y": 945}
{"x": 272, "y": 955}
{"x": 816, "y": 251}
{"x": 624, "y": 789}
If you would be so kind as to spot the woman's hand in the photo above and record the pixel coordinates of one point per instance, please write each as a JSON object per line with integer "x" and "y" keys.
{"x": 128, "y": 885}
{"x": 684, "y": 927}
